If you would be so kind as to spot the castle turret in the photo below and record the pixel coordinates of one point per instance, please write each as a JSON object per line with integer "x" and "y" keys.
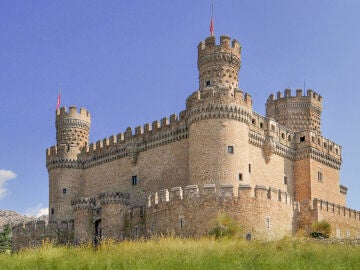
{"x": 72, "y": 134}
{"x": 72, "y": 131}
{"x": 218, "y": 117}
{"x": 299, "y": 113}
{"x": 219, "y": 64}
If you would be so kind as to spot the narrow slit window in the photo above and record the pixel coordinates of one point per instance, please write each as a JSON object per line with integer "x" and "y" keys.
{"x": 240, "y": 177}
{"x": 285, "y": 180}
{"x": 249, "y": 168}
{"x": 134, "y": 180}
{"x": 231, "y": 149}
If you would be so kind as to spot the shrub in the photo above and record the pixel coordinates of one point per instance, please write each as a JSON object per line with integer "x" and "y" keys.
{"x": 321, "y": 229}
{"x": 5, "y": 239}
{"x": 225, "y": 226}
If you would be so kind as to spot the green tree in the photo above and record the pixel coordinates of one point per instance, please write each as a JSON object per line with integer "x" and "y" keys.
{"x": 5, "y": 239}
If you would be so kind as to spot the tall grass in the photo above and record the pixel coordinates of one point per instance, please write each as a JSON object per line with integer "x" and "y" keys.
{"x": 173, "y": 253}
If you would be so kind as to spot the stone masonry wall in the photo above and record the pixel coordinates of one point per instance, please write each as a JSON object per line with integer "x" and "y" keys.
{"x": 266, "y": 214}
{"x": 32, "y": 234}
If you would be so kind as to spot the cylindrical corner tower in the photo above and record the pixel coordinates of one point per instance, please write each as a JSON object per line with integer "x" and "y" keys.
{"x": 218, "y": 117}
{"x": 72, "y": 131}
{"x": 72, "y": 134}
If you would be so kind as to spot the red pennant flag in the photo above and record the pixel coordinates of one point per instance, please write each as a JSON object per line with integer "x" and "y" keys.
{"x": 58, "y": 101}
{"x": 212, "y": 26}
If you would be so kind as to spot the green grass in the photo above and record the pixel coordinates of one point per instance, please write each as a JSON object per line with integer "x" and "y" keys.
{"x": 172, "y": 253}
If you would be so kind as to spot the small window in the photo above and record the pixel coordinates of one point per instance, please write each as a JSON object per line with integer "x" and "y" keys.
{"x": 285, "y": 180}
{"x": 249, "y": 168}
{"x": 231, "y": 149}
{"x": 282, "y": 136}
{"x": 261, "y": 125}
{"x": 240, "y": 177}
{"x": 267, "y": 223}
{"x": 320, "y": 176}
{"x": 208, "y": 83}
{"x": 142, "y": 211}
{"x": 64, "y": 190}
{"x": 325, "y": 145}
{"x": 302, "y": 139}
{"x": 336, "y": 151}
{"x": 318, "y": 141}
{"x": 181, "y": 223}
{"x": 134, "y": 180}
{"x": 313, "y": 139}
{"x": 52, "y": 211}
{"x": 253, "y": 121}
{"x": 330, "y": 147}
{"x": 289, "y": 138}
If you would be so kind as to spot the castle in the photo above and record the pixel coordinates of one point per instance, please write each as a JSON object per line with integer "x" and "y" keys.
{"x": 274, "y": 175}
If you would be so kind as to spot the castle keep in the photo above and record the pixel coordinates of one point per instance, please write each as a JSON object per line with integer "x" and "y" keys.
{"x": 274, "y": 174}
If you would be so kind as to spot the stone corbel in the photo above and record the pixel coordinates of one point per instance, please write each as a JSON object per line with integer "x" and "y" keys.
{"x": 132, "y": 152}
{"x": 269, "y": 147}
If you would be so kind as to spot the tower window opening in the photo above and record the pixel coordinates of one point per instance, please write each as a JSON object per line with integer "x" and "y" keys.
{"x": 320, "y": 176}
{"x": 208, "y": 83}
{"x": 142, "y": 211}
{"x": 181, "y": 223}
{"x": 261, "y": 125}
{"x": 282, "y": 136}
{"x": 52, "y": 211}
{"x": 253, "y": 121}
{"x": 231, "y": 149}
{"x": 249, "y": 168}
{"x": 285, "y": 180}
{"x": 302, "y": 139}
{"x": 289, "y": 138}
{"x": 134, "y": 180}
{"x": 240, "y": 177}
{"x": 64, "y": 190}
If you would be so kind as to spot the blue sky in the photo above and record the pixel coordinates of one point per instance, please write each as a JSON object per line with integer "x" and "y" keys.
{"x": 132, "y": 62}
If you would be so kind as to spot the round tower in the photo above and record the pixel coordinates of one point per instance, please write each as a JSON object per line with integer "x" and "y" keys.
{"x": 72, "y": 131}
{"x": 218, "y": 117}
{"x": 72, "y": 134}
{"x": 219, "y": 65}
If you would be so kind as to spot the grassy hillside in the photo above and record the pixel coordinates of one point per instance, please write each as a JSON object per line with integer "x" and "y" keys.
{"x": 168, "y": 253}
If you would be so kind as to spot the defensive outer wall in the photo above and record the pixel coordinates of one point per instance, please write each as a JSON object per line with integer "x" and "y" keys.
{"x": 274, "y": 174}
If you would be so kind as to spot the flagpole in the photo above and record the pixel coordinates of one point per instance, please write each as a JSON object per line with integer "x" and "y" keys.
{"x": 212, "y": 19}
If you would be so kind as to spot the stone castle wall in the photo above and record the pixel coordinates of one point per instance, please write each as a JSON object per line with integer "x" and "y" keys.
{"x": 32, "y": 234}
{"x": 262, "y": 212}
{"x": 345, "y": 222}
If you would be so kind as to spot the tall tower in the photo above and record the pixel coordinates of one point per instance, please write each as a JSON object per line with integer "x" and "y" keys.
{"x": 297, "y": 113}
{"x": 218, "y": 116}
{"x": 219, "y": 65}
{"x": 72, "y": 134}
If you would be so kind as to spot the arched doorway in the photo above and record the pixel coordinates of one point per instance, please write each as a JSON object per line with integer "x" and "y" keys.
{"x": 98, "y": 232}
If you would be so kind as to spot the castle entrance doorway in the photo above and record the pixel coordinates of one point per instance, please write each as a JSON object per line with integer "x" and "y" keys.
{"x": 98, "y": 232}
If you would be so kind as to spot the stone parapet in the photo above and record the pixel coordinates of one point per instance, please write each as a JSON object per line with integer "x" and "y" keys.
{"x": 220, "y": 191}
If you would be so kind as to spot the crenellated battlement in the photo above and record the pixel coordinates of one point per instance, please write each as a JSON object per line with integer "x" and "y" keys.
{"x": 321, "y": 205}
{"x": 304, "y": 139}
{"x": 225, "y": 192}
{"x": 226, "y": 45}
{"x": 299, "y": 112}
{"x": 127, "y": 143}
{"x": 73, "y": 112}
{"x": 310, "y": 96}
